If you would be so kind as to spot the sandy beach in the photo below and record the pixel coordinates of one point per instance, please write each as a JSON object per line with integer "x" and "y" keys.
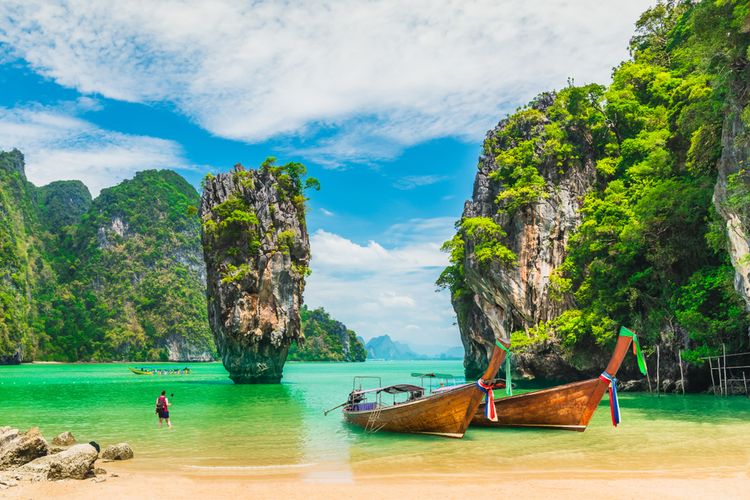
{"x": 275, "y": 442}
{"x": 127, "y": 482}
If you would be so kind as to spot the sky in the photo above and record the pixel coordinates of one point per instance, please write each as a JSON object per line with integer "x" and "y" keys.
{"x": 386, "y": 102}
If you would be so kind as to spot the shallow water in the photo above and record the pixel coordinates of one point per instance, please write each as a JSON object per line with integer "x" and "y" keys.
{"x": 222, "y": 427}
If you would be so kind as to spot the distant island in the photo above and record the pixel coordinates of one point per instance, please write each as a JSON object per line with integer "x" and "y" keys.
{"x": 385, "y": 348}
{"x": 326, "y": 339}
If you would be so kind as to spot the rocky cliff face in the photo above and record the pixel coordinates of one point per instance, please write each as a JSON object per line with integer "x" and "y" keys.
{"x": 121, "y": 277}
{"x": 256, "y": 250}
{"x": 136, "y": 251}
{"x": 501, "y": 299}
{"x": 733, "y": 182}
{"x": 22, "y": 267}
{"x": 592, "y": 209}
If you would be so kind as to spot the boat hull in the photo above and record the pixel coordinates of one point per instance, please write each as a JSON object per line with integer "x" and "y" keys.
{"x": 568, "y": 407}
{"x": 446, "y": 414}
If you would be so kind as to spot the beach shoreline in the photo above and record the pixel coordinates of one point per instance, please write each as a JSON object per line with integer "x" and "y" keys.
{"x": 123, "y": 481}
{"x": 266, "y": 441}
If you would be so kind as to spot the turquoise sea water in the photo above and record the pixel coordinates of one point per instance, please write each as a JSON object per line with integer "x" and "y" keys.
{"x": 221, "y": 426}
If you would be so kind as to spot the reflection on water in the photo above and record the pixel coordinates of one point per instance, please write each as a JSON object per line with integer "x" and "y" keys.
{"x": 224, "y": 428}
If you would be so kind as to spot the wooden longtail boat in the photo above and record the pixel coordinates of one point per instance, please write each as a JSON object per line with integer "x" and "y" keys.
{"x": 568, "y": 406}
{"x": 447, "y": 411}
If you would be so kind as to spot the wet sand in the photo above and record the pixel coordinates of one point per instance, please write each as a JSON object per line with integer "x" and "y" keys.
{"x": 719, "y": 482}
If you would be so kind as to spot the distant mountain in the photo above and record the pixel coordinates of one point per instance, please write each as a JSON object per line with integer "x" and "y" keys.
{"x": 384, "y": 347}
{"x": 437, "y": 351}
{"x": 452, "y": 353}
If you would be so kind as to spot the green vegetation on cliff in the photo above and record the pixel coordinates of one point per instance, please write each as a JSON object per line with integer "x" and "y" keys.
{"x": 62, "y": 203}
{"x": 132, "y": 278}
{"x": 23, "y": 269}
{"x": 118, "y": 278}
{"x": 234, "y": 219}
{"x": 650, "y": 251}
{"x": 326, "y": 339}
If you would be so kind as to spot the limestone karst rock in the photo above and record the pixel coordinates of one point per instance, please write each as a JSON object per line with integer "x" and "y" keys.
{"x": 257, "y": 250}
{"x": 732, "y": 178}
{"x": 326, "y": 339}
{"x": 505, "y": 298}
{"x": 127, "y": 264}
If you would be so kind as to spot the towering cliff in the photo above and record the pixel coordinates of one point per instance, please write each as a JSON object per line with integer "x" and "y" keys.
{"x": 119, "y": 278}
{"x": 133, "y": 267}
{"x": 513, "y": 233}
{"x": 732, "y": 191}
{"x": 257, "y": 252}
{"x": 592, "y": 208}
{"x": 326, "y": 339}
{"x": 22, "y": 267}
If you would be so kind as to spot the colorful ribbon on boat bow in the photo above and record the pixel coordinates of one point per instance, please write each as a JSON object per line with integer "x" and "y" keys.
{"x": 508, "y": 382}
{"x": 636, "y": 348}
{"x": 489, "y": 406}
{"x": 614, "y": 403}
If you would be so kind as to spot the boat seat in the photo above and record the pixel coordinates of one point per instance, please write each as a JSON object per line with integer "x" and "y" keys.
{"x": 364, "y": 407}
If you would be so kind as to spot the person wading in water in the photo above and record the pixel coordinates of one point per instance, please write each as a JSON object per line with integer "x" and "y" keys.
{"x": 162, "y": 409}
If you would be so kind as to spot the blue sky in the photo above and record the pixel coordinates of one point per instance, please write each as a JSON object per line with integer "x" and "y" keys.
{"x": 386, "y": 102}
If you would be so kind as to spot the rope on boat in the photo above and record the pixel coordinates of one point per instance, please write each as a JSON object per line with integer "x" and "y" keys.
{"x": 489, "y": 406}
{"x": 614, "y": 403}
{"x": 508, "y": 382}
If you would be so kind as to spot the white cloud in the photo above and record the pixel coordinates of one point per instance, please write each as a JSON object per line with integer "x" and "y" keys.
{"x": 431, "y": 232}
{"x": 393, "y": 299}
{"x": 339, "y": 253}
{"x": 58, "y": 145}
{"x": 376, "y": 289}
{"x": 364, "y": 78}
{"x": 327, "y": 213}
{"x": 414, "y": 181}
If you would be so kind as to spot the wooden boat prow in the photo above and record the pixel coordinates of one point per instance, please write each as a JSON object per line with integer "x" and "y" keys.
{"x": 447, "y": 412}
{"x": 568, "y": 406}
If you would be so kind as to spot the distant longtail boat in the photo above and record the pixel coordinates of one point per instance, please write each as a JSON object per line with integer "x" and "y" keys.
{"x": 447, "y": 411}
{"x": 148, "y": 371}
{"x": 568, "y": 406}
{"x": 138, "y": 371}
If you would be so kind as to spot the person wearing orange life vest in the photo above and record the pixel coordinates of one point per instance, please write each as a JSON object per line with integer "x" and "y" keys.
{"x": 162, "y": 409}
